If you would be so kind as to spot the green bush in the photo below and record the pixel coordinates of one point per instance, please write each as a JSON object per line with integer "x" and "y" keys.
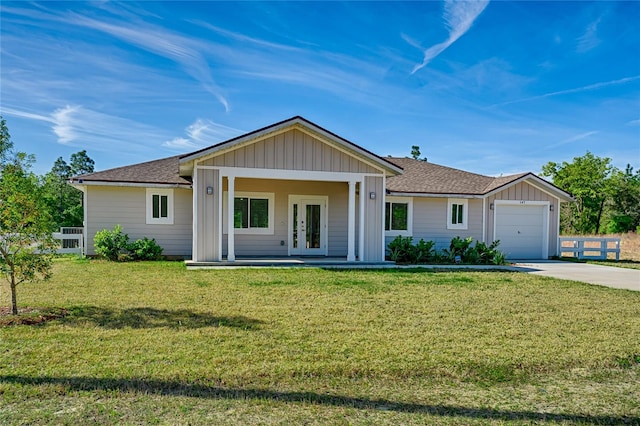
{"x": 402, "y": 250}
{"x": 111, "y": 244}
{"x": 458, "y": 247}
{"x": 145, "y": 249}
{"x": 483, "y": 254}
{"x": 114, "y": 245}
{"x": 424, "y": 251}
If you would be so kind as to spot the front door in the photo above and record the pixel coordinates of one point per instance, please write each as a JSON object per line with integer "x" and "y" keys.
{"x": 308, "y": 225}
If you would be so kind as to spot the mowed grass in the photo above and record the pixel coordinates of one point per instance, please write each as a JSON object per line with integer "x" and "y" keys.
{"x": 155, "y": 343}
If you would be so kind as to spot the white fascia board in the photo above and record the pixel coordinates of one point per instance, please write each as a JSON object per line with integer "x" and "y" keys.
{"x": 84, "y": 183}
{"x": 426, "y": 195}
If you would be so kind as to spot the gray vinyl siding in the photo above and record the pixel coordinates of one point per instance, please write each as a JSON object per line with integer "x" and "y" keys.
{"x": 291, "y": 150}
{"x": 108, "y": 206}
{"x": 527, "y": 192}
{"x": 271, "y": 245}
{"x": 430, "y": 222}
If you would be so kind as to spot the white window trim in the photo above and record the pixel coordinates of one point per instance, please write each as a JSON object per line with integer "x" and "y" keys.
{"x": 399, "y": 200}
{"x": 270, "y": 196}
{"x": 160, "y": 220}
{"x": 465, "y": 213}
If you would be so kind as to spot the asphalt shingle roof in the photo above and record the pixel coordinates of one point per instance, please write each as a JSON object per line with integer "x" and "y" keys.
{"x": 163, "y": 171}
{"x": 418, "y": 177}
{"x": 423, "y": 177}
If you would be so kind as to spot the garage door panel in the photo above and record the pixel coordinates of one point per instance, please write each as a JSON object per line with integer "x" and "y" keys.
{"x": 520, "y": 229}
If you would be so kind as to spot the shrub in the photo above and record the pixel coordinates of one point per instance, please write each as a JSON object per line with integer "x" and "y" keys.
{"x": 483, "y": 254}
{"x": 111, "y": 244}
{"x": 424, "y": 251}
{"x": 145, "y": 249}
{"x": 114, "y": 245}
{"x": 458, "y": 247}
{"x": 402, "y": 250}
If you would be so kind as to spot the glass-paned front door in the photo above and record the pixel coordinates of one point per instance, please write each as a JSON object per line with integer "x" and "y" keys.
{"x": 308, "y": 225}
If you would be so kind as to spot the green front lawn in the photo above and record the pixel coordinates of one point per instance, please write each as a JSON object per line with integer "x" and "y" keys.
{"x": 154, "y": 343}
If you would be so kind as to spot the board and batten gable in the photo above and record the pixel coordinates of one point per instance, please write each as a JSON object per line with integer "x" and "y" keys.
{"x": 108, "y": 206}
{"x": 526, "y": 192}
{"x": 291, "y": 150}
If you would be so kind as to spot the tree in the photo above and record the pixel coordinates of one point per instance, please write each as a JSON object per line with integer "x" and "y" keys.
{"x": 81, "y": 164}
{"x": 63, "y": 200}
{"x": 625, "y": 200}
{"x": 587, "y": 179}
{"x": 25, "y": 237}
{"x": 6, "y": 145}
{"x": 415, "y": 153}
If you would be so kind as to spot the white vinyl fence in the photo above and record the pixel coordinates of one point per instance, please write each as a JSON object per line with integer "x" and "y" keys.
{"x": 71, "y": 240}
{"x": 589, "y": 247}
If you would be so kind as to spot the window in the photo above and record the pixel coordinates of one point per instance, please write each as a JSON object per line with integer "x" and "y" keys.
{"x": 457, "y": 213}
{"x": 398, "y": 212}
{"x": 252, "y": 212}
{"x": 159, "y": 206}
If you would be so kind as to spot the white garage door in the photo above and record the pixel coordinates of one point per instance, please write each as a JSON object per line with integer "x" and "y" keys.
{"x": 520, "y": 229}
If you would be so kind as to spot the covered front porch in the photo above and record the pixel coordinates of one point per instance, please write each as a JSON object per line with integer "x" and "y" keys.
{"x": 289, "y": 189}
{"x": 287, "y": 215}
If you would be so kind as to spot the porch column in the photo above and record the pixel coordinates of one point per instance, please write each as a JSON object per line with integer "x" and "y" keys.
{"x": 351, "y": 214}
{"x": 194, "y": 225}
{"x": 363, "y": 197}
{"x": 231, "y": 253}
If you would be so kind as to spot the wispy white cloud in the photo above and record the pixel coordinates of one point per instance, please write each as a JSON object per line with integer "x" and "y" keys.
{"x": 65, "y": 123}
{"x": 578, "y": 137}
{"x": 589, "y": 39}
{"x": 201, "y": 133}
{"x": 589, "y": 87}
{"x": 181, "y": 144}
{"x": 634, "y": 123}
{"x": 459, "y": 17}
{"x": 75, "y": 125}
{"x": 164, "y": 43}
{"x": 244, "y": 38}
{"x": 25, "y": 114}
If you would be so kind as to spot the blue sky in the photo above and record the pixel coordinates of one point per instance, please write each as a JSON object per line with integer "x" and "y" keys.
{"x": 490, "y": 87}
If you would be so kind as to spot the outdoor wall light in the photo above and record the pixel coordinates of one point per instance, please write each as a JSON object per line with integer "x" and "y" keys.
{"x": 372, "y": 195}
{"x": 491, "y": 206}
{"x": 209, "y": 190}
{"x": 550, "y": 207}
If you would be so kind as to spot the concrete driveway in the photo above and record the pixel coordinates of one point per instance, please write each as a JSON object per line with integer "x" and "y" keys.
{"x": 608, "y": 276}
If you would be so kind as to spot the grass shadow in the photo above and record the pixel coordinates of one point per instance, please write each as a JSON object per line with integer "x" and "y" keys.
{"x": 146, "y": 317}
{"x": 174, "y": 388}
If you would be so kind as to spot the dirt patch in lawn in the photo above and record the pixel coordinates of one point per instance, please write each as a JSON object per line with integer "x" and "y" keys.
{"x": 29, "y": 315}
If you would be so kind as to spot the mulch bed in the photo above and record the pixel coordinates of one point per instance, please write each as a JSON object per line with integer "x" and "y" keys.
{"x": 29, "y": 315}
